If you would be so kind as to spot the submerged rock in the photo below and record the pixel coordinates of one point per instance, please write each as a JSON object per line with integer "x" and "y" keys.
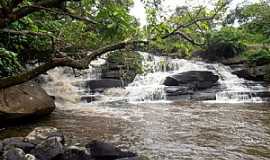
{"x": 17, "y": 142}
{"x": 101, "y": 150}
{"x": 24, "y": 100}
{"x": 14, "y": 154}
{"x": 76, "y": 153}
{"x": 48, "y": 149}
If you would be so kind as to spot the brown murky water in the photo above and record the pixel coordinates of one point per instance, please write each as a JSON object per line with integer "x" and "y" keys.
{"x": 166, "y": 131}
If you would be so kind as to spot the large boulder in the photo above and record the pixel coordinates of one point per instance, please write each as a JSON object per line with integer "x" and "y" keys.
{"x": 196, "y": 80}
{"x": 190, "y": 83}
{"x": 24, "y": 100}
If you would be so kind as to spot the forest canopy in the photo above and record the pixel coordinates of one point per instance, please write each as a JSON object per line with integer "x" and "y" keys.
{"x": 52, "y": 33}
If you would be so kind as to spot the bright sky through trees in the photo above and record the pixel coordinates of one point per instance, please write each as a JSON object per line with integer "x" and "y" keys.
{"x": 169, "y": 5}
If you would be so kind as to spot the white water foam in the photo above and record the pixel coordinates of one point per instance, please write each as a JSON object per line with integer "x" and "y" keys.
{"x": 148, "y": 87}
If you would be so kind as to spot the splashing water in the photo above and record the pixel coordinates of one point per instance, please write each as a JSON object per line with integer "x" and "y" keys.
{"x": 149, "y": 88}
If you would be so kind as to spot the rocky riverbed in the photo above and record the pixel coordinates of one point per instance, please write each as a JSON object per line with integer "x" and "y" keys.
{"x": 48, "y": 143}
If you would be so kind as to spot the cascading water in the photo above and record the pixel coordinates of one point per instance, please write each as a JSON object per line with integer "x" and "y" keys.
{"x": 148, "y": 87}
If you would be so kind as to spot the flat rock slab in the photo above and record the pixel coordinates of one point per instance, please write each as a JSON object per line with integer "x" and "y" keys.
{"x": 99, "y": 85}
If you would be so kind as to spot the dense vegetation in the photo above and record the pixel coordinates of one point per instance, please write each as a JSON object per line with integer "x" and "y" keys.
{"x": 50, "y": 33}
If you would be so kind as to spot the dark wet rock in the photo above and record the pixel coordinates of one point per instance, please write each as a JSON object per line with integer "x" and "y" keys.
{"x": 76, "y": 153}
{"x": 49, "y": 145}
{"x": 192, "y": 85}
{"x": 14, "y": 154}
{"x": 89, "y": 98}
{"x": 177, "y": 90}
{"x": 100, "y": 85}
{"x": 17, "y": 142}
{"x": 24, "y": 100}
{"x": 234, "y": 61}
{"x": 244, "y": 73}
{"x": 102, "y": 151}
{"x": 40, "y": 134}
{"x": 111, "y": 74}
{"x": 255, "y": 73}
{"x": 48, "y": 149}
{"x": 1, "y": 147}
{"x": 193, "y": 80}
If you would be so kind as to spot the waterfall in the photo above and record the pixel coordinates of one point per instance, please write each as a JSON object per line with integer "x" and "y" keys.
{"x": 148, "y": 87}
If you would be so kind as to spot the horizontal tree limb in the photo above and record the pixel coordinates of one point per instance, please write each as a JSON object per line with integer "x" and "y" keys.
{"x": 65, "y": 61}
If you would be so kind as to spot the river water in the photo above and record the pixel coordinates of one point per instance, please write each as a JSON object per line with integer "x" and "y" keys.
{"x": 140, "y": 118}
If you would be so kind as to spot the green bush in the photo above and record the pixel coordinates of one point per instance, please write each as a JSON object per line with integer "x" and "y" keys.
{"x": 129, "y": 64}
{"x": 9, "y": 64}
{"x": 226, "y": 43}
{"x": 260, "y": 57}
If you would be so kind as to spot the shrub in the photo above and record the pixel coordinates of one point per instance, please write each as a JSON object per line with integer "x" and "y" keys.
{"x": 226, "y": 43}
{"x": 128, "y": 64}
{"x": 8, "y": 63}
{"x": 260, "y": 57}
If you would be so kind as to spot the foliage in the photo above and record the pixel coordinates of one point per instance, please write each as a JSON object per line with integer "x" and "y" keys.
{"x": 116, "y": 23}
{"x": 227, "y": 42}
{"x": 9, "y": 64}
{"x": 171, "y": 47}
{"x": 260, "y": 57}
{"x": 112, "y": 22}
{"x": 128, "y": 63}
{"x": 254, "y": 18}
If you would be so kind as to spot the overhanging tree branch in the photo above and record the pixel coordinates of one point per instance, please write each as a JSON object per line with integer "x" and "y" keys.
{"x": 66, "y": 61}
{"x": 26, "y": 10}
{"x": 195, "y": 21}
{"x": 65, "y": 13}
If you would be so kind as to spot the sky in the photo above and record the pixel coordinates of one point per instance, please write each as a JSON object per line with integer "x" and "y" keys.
{"x": 139, "y": 12}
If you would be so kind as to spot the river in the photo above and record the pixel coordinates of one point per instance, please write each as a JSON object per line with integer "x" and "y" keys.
{"x": 139, "y": 118}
